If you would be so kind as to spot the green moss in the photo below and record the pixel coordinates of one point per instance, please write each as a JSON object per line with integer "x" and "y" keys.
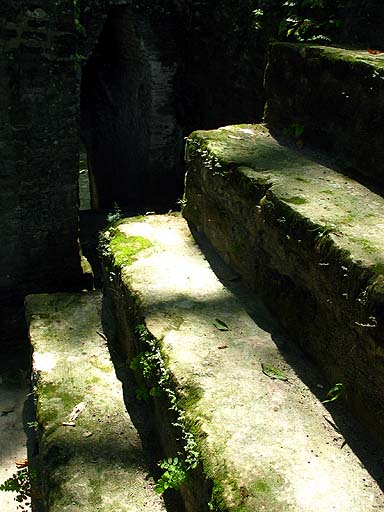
{"x": 192, "y": 394}
{"x": 101, "y": 366}
{"x": 125, "y": 248}
{"x": 379, "y": 268}
{"x": 295, "y": 200}
{"x": 366, "y": 245}
{"x": 261, "y": 486}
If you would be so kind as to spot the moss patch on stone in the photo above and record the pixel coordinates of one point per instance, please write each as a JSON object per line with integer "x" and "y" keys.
{"x": 125, "y": 248}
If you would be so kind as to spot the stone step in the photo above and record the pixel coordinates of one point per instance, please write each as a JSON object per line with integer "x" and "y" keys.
{"x": 94, "y": 460}
{"x": 307, "y": 237}
{"x": 233, "y": 413}
{"x": 333, "y": 98}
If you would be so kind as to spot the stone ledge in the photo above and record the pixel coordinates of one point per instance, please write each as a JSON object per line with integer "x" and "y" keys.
{"x": 264, "y": 443}
{"x": 336, "y": 96}
{"x": 94, "y": 462}
{"x": 310, "y": 239}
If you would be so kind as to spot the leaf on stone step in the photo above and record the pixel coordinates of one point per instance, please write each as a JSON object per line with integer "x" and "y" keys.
{"x": 219, "y": 324}
{"x": 8, "y": 410}
{"x": 334, "y": 393}
{"x": 77, "y": 410}
{"x": 21, "y": 463}
{"x": 273, "y": 373}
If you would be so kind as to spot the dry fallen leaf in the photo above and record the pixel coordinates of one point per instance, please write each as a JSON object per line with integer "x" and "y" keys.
{"x": 21, "y": 463}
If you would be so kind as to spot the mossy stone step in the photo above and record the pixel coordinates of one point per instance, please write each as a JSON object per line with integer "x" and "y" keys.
{"x": 334, "y": 98}
{"x": 95, "y": 461}
{"x": 307, "y": 237}
{"x": 265, "y": 441}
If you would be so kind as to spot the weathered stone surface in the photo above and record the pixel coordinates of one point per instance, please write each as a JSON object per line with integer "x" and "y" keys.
{"x": 136, "y": 141}
{"x": 39, "y": 147}
{"x": 97, "y": 463}
{"x": 264, "y": 444}
{"x": 336, "y": 96}
{"x": 310, "y": 238}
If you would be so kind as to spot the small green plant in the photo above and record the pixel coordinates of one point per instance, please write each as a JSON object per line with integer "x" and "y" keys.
{"x": 175, "y": 474}
{"x": 309, "y": 20}
{"x": 21, "y": 483}
{"x": 114, "y": 216}
{"x": 195, "y": 148}
{"x": 76, "y": 15}
{"x": 143, "y": 362}
{"x": 150, "y": 366}
{"x": 78, "y": 60}
{"x": 34, "y": 425}
{"x": 105, "y": 236}
{"x": 141, "y": 392}
{"x": 294, "y": 130}
{"x": 334, "y": 393}
{"x": 258, "y": 15}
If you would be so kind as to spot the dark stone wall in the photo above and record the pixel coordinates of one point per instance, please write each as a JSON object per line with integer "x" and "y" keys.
{"x": 39, "y": 148}
{"x": 152, "y": 74}
{"x": 129, "y": 125}
{"x": 337, "y": 98}
{"x": 157, "y": 72}
{"x": 363, "y": 23}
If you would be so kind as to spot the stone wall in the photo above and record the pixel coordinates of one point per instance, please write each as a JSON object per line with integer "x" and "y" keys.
{"x": 39, "y": 145}
{"x": 158, "y": 71}
{"x": 335, "y": 97}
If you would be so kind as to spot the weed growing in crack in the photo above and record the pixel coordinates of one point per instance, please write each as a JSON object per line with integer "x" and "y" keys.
{"x": 21, "y": 483}
{"x": 150, "y": 366}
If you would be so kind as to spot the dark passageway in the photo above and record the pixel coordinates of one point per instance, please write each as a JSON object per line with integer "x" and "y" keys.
{"x": 128, "y": 120}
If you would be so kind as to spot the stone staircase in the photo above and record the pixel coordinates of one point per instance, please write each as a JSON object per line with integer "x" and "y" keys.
{"x": 227, "y": 390}
{"x": 236, "y": 401}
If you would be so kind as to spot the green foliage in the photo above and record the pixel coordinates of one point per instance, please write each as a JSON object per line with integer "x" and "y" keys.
{"x": 145, "y": 362}
{"x": 309, "y": 20}
{"x": 115, "y": 216}
{"x": 258, "y": 18}
{"x": 174, "y": 475}
{"x": 78, "y": 60}
{"x": 195, "y": 148}
{"x": 152, "y": 369}
{"x": 21, "y": 483}
{"x": 34, "y": 425}
{"x": 294, "y": 130}
{"x": 334, "y": 393}
{"x": 220, "y": 325}
{"x": 76, "y": 15}
{"x": 272, "y": 372}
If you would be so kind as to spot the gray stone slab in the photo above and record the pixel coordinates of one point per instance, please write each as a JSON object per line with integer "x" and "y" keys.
{"x": 307, "y": 237}
{"x": 265, "y": 443}
{"x": 92, "y": 459}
